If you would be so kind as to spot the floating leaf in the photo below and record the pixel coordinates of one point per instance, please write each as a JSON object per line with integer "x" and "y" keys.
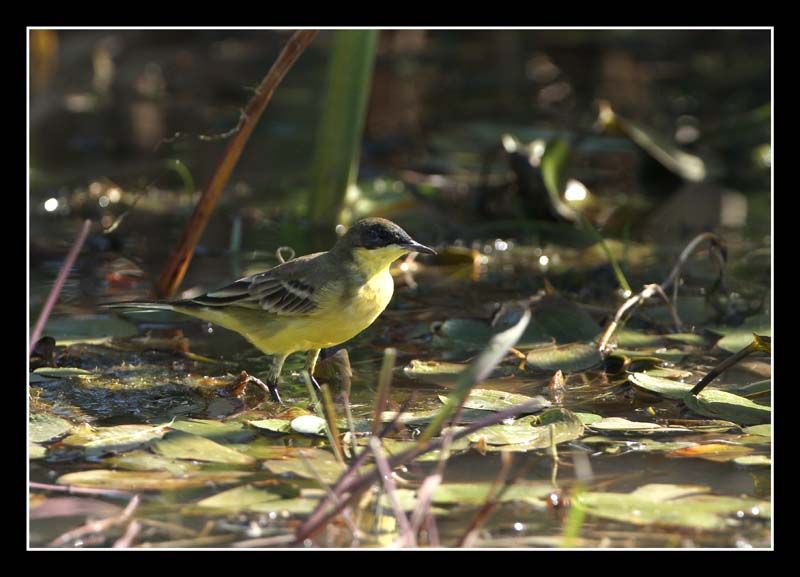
{"x": 60, "y": 372}
{"x": 323, "y": 463}
{"x": 736, "y": 338}
{"x": 627, "y": 338}
{"x": 491, "y": 400}
{"x": 465, "y": 334}
{"x": 753, "y": 461}
{"x": 36, "y": 451}
{"x": 757, "y": 389}
{"x": 763, "y": 430}
{"x": 588, "y": 418}
{"x": 710, "y": 402}
{"x": 441, "y": 372}
{"x": 273, "y": 425}
{"x": 238, "y": 499}
{"x": 723, "y": 405}
{"x": 148, "y": 480}
{"x": 231, "y": 432}
{"x": 179, "y": 445}
{"x": 43, "y": 427}
{"x": 101, "y": 440}
{"x": 296, "y": 506}
{"x": 660, "y": 386}
{"x": 563, "y": 320}
{"x": 569, "y": 358}
{"x": 672, "y": 505}
{"x": 309, "y": 425}
{"x": 719, "y": 452}
{"x": 147, "y": 461}
{"x": 620, "y": 425}
{"x": 527, "y": 434}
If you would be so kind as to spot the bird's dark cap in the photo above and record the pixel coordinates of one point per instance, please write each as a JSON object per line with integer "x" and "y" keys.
{"x": 372, "y": 233}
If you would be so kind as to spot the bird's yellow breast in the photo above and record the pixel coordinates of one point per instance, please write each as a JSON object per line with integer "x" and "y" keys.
{"x": 345, "y": 307}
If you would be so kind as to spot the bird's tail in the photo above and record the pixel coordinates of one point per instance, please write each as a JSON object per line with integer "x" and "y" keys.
{"x": 153, "y": 306}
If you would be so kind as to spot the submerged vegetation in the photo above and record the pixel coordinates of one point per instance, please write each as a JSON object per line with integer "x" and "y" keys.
{"x": 585, "y": 363}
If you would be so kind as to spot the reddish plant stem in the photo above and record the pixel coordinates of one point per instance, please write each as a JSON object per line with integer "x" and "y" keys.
{"x": 59, "y": 284}
{"x": 176, "y": 267}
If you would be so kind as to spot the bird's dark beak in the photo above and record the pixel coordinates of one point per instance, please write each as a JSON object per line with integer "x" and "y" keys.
{"x": 417, "y": 247}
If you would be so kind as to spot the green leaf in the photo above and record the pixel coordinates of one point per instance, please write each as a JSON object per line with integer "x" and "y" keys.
{"x": 672, "y": 505}
{"x": 722, "y": 405}
{"x": 526, "y": 434}
{"x": 323, "y": 463}
{"x": 620, "y": 425}
{"x": 753, "y": 461}
{"x": 148, "y": 480}
{"x": 273, "y": 425}
{"x": 117, "y": 439}
{"x": 462, "y": 334}
{"x": 569, "y": 358}
{"x": 146, "y": 461}
{"x": 627, "y": 338}
{"x": 309, "y": 425}
{"x": 660, "y": 386}
{"x": 736, "y": 338}
{"x": 43, "y": 427}
{"x": 563, "y": 320}
{"x": 491, "y": 400}
{"x": 179, "y": 445}
{"x": 711, "y": 403}
{"x": 60, "y": 372}
{"x": 36, "y": 451}
{"x": 238, "y": 499}
{"x": 231, "y": 432}
{"x": 554, "y": 164}
{"x": 763, "y": 430}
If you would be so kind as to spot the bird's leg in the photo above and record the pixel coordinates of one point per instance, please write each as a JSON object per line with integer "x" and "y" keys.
{"x": 272, "y": 378}
{"x": 311, "y": 362}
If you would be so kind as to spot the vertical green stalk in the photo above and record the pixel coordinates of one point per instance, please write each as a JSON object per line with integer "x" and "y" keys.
{"x": 338, "y": 142}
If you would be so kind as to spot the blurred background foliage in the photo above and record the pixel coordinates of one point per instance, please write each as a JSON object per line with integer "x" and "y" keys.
{"x": 456, "y": 125}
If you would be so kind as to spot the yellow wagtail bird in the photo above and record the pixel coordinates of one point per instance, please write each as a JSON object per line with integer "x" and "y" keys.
{"x": 309, "y": 303}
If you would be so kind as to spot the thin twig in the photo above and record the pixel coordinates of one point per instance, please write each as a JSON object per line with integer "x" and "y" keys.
{"x": 59, "y": 284}
{"x": 753, "y": 347}
{"x": 176, "y": 267}
{"x": 72, "y": 490}
{"x": 384, "y": 386}
{"x": 350, "y": 483}
{"x": 127, "y": 539}
{"x": 391, "y": 491}
{"x": 347, "y": 513}
{"x": 97, "y": 526}
{"x": 429, "y": 485}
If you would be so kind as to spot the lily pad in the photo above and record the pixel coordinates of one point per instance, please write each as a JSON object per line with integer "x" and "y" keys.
{"x": 309, "y": 425}
{"x": 462, "y": 334}
{"x": 146, "y": 461}
{"x": 763, "y": 430}
{"x": 36, "y": 451}
{"x": 179, "y": 445}
{"x": 563, "y": 320}
{"x": 627, "y": 338}
{"x": 43, "y": 427}
{"x": 75, "y": 329}
{"x": 753, "y": 461}
{"x": 476, "y": 493}
{"x": 723, "y": 405}
{"x": 273, "y": 425}
{"x": 60, "y": 372}
{"x": 231, "y": 432}
{"x": 238, "y": 499}
{"x": 491, "y": 400}
{"x": 148, "y": 480}
{"x": 620, "y": 425}
{"x": 528, "y": 433}
{"x": 323, "y": 463}
{"x": 672, "y": 505}
{"x": 660, "y": 386}
{"x": 568, "y": 358}
{"x": 117, "y": 439}
{"x": 735, "y": 339}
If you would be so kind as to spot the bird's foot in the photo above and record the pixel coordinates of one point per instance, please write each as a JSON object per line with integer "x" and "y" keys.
{"x": 237, "y": 388}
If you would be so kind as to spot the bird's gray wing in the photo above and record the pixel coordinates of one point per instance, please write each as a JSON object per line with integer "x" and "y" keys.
{"x": 285, "y": 290}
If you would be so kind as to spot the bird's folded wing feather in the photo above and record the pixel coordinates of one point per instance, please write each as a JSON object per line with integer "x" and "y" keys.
{"x": 283, "y": 290}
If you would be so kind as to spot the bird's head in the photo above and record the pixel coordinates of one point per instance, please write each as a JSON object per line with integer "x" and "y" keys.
{"x": 379, "y": 241}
